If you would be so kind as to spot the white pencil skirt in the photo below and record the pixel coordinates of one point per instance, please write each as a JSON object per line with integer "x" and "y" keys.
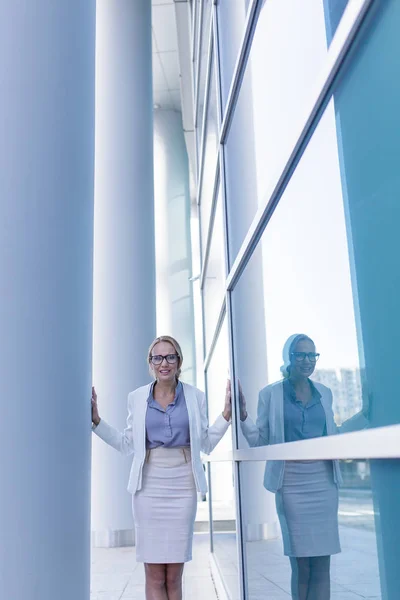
{"x": 164, "y": 510}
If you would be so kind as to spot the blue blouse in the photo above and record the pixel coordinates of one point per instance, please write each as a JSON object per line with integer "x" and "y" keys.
{"x": 170, "y": 427}
{"x": 301, "y": 421}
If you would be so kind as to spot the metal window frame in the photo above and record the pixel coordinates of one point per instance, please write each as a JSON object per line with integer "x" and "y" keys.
{"x": 377, "y": 443}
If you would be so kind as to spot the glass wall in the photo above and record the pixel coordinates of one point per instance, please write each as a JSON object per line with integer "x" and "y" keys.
{"x": 299, "y": 187}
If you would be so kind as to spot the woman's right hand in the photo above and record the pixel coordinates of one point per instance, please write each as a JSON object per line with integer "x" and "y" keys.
{"x": 242, "y": 399}
{"x": 95, "y": 410}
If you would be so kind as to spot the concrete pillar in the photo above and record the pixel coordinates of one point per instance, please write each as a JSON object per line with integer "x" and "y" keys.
{"x": 173, "y": 244}
{"x": 124, "y": 265}
{"x": 46, "y": 214}
{"x": 260, "y": 518}
{"x": 368, "y": 125}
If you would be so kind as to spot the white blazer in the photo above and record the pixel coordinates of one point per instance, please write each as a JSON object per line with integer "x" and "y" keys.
{"x": 133, "y": 440}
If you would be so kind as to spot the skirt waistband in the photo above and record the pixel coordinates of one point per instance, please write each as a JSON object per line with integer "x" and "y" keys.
{"x": 169, "y": 454}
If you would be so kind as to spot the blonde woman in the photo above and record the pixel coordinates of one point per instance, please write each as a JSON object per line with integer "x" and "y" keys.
{"x": 167, "y": 428}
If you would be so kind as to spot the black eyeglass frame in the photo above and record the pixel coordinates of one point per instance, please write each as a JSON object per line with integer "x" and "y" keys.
{"x": 312, "y": 356}
{"x": 162, "y": 359}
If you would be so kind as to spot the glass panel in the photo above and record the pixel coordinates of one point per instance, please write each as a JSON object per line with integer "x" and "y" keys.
{"x": 313, "y": 540}
{"x": 302, "y": 270}
{"x": 288, "y": 53}
{"x": 216, "y": 376}
{"x": 231, "y": 23}
{"x": 287, "y": 22}
{"x": 214, "y": 283}
{"x": 327, "y": 264}
{"x": 196, "y": 13}
{"x": 210, "y": 159}
{"x": 224, "y": 526}
{"x": 222, "y": 484}
{"x": 204, "y": 47}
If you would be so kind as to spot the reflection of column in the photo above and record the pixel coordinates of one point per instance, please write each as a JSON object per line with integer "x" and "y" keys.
{"x": 258, "y": 504}
{"x": 173, "y": 246}
{"x": 46, "y": 215}
{"x": 124, "y": 282}
{"x": 368, "y": 126}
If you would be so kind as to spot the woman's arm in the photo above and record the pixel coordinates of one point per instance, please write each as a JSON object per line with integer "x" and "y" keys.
{"x": 210, "y": 435}
{"x": 123, "y": 442}
{"x": 355, "y": 423}
{"x": 257, "y": 434}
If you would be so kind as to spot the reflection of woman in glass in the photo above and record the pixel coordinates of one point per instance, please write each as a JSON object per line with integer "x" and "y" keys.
{"x": 306, "y": 490}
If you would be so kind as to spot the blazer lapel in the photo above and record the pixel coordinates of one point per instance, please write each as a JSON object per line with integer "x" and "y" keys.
{"x": 190, "y": 399}
{"x": 140, "y": 418}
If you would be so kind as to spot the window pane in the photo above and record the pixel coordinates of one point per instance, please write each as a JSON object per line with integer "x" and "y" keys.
{"x": 224, "y": 525}
{"x": 288, "y": 53}
{"x": 204, "y": 46}
{"x": 216, "y": 376}
{"x": 231, "y": 23}
{"x": 222, "y": 484}
{"x": 312, "y": 536}
{"x": 210, "y": 159}
{"x": 327, "y": 264}
{"x": 214, "y": 283}
{"x": 284, "y": 15}
{"x": 299, "y": 282}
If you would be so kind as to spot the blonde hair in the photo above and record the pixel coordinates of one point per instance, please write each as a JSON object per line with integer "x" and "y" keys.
{"x": 174, "y": 343}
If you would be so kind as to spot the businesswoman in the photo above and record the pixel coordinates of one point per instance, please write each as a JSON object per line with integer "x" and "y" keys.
{"x": 306, "y": 491}
{"x": 167, "y": 427}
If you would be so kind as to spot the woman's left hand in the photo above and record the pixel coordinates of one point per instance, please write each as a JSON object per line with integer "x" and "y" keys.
{"x": 227, "y": 414}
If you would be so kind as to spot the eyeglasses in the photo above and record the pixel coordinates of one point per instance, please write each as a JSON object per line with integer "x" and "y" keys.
{"x": 300, "y": 356}
{"x": 170, "y": 358}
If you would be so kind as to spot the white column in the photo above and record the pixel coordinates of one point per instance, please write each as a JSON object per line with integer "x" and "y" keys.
{"x": 46, "y": 216}
{"x": 258, "y": 505}
{"x": 124, "y": 270}
{"x": 173, "y": 246}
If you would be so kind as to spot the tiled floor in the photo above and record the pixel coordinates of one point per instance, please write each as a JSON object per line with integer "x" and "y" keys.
{"x": 354, "y": 572}
{"x": 117, "y": 576}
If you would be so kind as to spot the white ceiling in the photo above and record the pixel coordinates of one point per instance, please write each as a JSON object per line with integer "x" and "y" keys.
{"x": 166, "y": 71}
{"x": 172, "y": 67}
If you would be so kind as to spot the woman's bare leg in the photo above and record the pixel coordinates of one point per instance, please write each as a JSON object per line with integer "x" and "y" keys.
{"x": 174, "y": 581}
{"x": 156, "y": 581}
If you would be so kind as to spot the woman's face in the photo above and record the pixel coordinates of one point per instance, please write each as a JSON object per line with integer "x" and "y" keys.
{"x": 302, "y": 368}
{"x": 165, "y": 371}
